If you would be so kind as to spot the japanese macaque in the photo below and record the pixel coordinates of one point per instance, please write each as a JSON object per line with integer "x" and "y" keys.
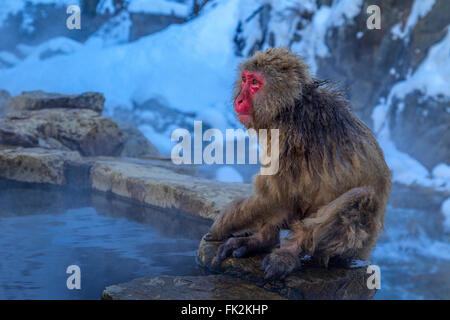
{"x": 332, "y": 185}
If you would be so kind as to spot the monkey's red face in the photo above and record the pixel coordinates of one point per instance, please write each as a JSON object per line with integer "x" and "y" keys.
{"x": 251, "y": 83}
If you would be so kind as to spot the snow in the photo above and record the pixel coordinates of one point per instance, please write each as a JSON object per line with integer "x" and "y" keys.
{"x": 115, "y": 31}
{"x": 432, "y": 78}
{"x": 345, "y": 10}
{"x": 228, "y": 174}
{"x": 251, "y": 32}
{"x": 163, "y": 7}
{"x": 200, "y": 63}
{"x": 8, "y": 58}
{"x": 313, "y": 36}
{"x": 441, "y": 171}
{"x": 445, "y": 208}
{"x": 159, "y": 139}
{"x": 105, "y": 7}
{"x": 286, "y": 15}
{"x": 419, "y": 10}
{"x": 59, "y": 44}
{"x": 405, "y": 169}
{"x": 433, "y": 75}
{"x": 12, "y": 7}
{"x": 27, "y": 23}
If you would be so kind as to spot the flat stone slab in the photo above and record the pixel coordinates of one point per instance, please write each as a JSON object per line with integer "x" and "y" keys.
{"x": 212, "y": 287}
{"x": 165, "y": 188}
{"x": 38, "y": 100}
{"x": 152, "y": 181}
{"x": 36, "y": 165}
{"x": 310, "y": 282}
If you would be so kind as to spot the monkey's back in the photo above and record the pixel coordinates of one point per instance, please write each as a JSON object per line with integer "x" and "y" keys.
{"x": 326, "y": 151}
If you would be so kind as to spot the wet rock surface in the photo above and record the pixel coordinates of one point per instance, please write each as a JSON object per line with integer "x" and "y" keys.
{"x": 310, "y": 282}
{"x": 212, "y": 287}
{"x": 150, "y": 181}
{"x": 35, "y": 165}
{"x": 165, "y": 188}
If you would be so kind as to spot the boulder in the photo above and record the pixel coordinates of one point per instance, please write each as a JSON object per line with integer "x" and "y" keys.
{"x": 80, "y": 130}
{"x": 21, "y": 133}
{"x": 212, "y": 287}
{"x": 310, "y": 282}
{"x": 163, "y": 187}
{"x": 38, "y": 100}
{"x": 136, "y": 144}
{"x": 36, "y": 165}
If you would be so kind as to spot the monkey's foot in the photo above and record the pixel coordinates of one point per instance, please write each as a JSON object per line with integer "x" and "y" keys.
{"x": 238, "y": 247}
{"x": 279, "y": 264}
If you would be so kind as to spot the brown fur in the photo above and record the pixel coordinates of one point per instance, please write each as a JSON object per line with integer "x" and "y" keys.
{"x": 332, "y": 185}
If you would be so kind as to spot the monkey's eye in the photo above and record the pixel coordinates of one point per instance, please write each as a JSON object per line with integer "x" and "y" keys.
{"x": 244, "y": 78}
{"x": 255, "y": 81}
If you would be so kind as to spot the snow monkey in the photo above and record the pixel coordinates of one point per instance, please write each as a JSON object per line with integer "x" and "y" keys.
{"x": 332, "y": 185}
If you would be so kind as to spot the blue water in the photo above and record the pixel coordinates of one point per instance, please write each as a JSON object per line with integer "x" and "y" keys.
{"x": 413, "y": 254}
{"x": 43, "y": 231}
{"x": 111, "y": 241}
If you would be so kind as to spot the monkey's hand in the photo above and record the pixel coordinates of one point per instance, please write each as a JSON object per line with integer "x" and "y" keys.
{"x": 279, "y": 264}
{"x": 210, "y": 237}
{"x": 237, "y": 247}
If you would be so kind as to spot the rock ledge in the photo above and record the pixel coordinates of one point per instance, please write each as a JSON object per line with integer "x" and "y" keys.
{"x": 212, "y": 287}
{"x": 311, "y": 282}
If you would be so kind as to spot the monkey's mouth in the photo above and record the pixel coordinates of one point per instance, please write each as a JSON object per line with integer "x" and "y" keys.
{"x": 244, "y": 118}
